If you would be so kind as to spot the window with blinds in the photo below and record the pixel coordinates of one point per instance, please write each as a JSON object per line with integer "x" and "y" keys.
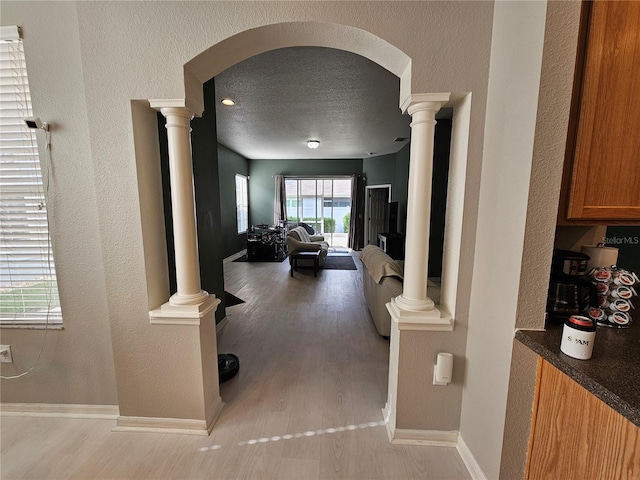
{"x": 242, "y": 203}
{"x": 28, "y": 286}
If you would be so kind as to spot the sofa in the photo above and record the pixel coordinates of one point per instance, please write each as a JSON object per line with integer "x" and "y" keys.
{"x": 382, "y": 278}
{"x": 298, "y": 239}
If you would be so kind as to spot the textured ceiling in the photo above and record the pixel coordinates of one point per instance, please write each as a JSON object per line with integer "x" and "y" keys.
{"x": 288, "y": 96}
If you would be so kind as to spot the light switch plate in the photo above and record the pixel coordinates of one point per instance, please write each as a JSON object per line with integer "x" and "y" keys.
{"x": 5, "y": 354}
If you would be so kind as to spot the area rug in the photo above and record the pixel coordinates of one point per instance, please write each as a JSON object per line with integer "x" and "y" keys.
{"x": 245, "y": 259}
{"x": 230, "y": 300}
{"x": 339, "y": 262}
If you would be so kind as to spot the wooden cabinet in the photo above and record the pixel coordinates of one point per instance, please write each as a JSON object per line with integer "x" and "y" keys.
{"x": 601, "y": 182}
{"x": 575, "y": 435}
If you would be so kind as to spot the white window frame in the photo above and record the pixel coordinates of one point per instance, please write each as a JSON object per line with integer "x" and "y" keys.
{"x": 242, "y": 203}
{"x": 318, "y": 199}
{"x": 28, "y": 284}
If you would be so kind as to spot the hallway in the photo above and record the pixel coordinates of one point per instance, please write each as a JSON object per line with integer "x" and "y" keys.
{"x": 306, "y": 403}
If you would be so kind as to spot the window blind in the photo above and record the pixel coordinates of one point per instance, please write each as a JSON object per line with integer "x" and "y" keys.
{"x": 28, "y": 286}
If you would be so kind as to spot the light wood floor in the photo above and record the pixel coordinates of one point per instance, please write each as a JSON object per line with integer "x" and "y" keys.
{"x": 306, "y": 403}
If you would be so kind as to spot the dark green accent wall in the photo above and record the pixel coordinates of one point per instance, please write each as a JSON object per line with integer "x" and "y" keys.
{"x": 400, "y": 188}
{"x": 391, "y": 169}
{"x": 394, "y": 170}
{"x": 440, "y": 182}
{"x": 380, "y": 170}
{"x": 204, "y": 149}
{"x": 262, "y": 183}
{"x": 229, "y": 164}
{"x": 207, "y": 198}
{"x": 627, "y": 241}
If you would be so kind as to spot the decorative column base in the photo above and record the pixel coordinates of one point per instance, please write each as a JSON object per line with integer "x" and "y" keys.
{"x": 414, "y": 305}
{"x": 404, "y": 373}
{"x": 180, "y": 299}
{"x": 171, "y": 314}
{"x": 419, "y": 317}
{"x": 201, "y": 384}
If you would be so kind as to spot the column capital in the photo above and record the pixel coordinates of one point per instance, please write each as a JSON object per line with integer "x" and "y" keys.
{"x": 424, "y": 101}
{"x": 176, "y": 107}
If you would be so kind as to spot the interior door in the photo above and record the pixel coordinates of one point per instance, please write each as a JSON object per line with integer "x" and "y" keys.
{"x": 377, "y": 200}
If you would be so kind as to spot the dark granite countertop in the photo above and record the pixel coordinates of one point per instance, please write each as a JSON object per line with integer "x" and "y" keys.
{"x": 613, "y": 372}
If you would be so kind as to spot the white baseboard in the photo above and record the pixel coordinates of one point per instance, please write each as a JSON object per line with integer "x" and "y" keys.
{"x": 105, "y": 412}
{"x": 469, "y": 460}
{"x": 216, "y": 410}
{"x": 432, "y": 438}
{"x": 389, "y": 421}
{"x": 161, "y": 425}
{"x": 223, "y": 323}
{"x": 185, "y": 426}
{"x": 235, "y": 256}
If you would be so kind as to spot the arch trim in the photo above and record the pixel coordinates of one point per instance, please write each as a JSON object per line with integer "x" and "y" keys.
{"x": 262, "y": 39}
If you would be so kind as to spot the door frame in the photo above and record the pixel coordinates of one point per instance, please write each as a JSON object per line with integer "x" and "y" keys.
{"x": 368, "y": 188}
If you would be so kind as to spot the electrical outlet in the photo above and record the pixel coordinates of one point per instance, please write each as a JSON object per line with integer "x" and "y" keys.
{"x": 5, "y": 354}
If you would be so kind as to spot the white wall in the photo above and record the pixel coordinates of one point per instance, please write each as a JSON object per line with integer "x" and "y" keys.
{"x": 457, "y": 36}
{"x": 137, "y": 50}
{"x": 556, "y": 86}
{"x": 514, "y": 76}
{"x": 77, "y": 363}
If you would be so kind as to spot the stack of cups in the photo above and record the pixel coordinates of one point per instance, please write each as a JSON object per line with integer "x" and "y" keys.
{"x": 615, "y": 291}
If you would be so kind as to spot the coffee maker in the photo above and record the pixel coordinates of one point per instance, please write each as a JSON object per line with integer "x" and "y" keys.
{"x": 570, "y": 290}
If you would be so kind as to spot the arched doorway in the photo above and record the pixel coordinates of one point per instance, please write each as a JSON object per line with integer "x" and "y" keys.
{"x": 252, "y": 42}
{"x": 309, "y": 34}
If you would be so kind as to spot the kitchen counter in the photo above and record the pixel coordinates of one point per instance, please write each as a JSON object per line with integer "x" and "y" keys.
{"x": 613, "y": 372}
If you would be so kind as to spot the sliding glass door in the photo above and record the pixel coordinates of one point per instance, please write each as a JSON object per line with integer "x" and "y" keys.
{"x": 322, "y": 203}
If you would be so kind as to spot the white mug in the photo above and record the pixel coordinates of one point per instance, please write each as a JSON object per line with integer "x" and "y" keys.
{"x": 578, "y": 335}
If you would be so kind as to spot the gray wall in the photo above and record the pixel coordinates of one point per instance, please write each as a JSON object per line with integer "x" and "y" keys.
{"x": 262, "y": 183}
{"x": 230, "y": 163}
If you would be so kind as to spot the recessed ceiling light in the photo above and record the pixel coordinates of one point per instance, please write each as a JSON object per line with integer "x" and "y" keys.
{"x": 313, "y": 143}
{"x": 228, "y": 102}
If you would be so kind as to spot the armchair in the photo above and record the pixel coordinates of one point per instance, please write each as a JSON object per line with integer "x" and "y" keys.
{"x": 298, "y": 239}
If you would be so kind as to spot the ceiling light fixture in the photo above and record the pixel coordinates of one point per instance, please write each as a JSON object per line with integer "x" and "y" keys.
{"x": 228, "y": 102}
{"x": 313, "y": 144}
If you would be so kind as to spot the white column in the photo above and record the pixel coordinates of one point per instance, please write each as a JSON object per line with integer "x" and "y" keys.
{"x": 414, "y": 304}
{"x": 183, "y": 208}
{"x": 414, "y": 293}
{"x": 413, "y": 311}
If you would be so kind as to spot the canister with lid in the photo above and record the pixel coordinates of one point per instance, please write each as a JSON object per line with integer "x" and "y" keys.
{"x": 578, "y": 335}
